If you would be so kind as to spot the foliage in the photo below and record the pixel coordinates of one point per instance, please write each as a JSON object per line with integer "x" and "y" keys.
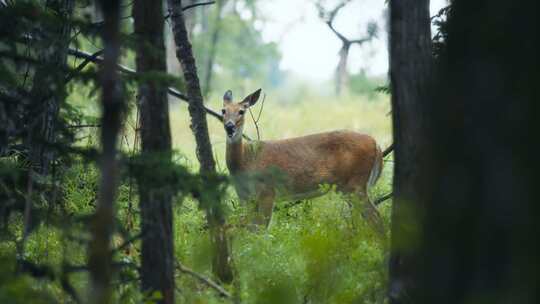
{"x": 362, "y": 84}
{"x": 311, "y": 251}
{"x": 241, "y": 51}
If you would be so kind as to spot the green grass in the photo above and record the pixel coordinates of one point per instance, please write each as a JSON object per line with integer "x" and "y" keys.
{"x": 311, "y": 252}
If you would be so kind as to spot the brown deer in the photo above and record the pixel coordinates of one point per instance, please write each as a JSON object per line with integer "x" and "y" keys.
{"x": 295, "y": 168}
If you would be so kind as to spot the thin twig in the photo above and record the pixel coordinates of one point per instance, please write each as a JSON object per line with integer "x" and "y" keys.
{"x": 185, "y": 8}
{"x": 205, "y": 280}
{"x": 256, "y": 121}
{"x": 383, "y": 198}
{"x": 129, "y": 71}
{"x": 128, "y": 242}
{"x": 256, "y": 125}
{"x": 84, "y": 126}
{"x": 388, "y": 150}
{"x": 81, "y": 66}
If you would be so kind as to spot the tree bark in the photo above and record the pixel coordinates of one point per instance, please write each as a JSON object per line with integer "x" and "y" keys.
{"x": 410, "y": 70}
{"x": 157, "y": 249}
{"x": 214, "y": 213}
{"x": 100, "y": 257}
{"x": 48, "y": 89}
{"x": 342, "y": 75}
{"x": 480, "y": 234}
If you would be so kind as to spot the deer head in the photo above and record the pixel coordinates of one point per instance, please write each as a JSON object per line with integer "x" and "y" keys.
{"x": 234, "y": 112}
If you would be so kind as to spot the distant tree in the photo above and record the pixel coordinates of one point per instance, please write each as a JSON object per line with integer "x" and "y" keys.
{"x": 228, "y": 34}
{"x": 214, "y": 213}
{"x": 157, "y": 256}
{"x": 341, "y": 76}
{"x": 410, "y": 72}
{"x": 113, "y": 105}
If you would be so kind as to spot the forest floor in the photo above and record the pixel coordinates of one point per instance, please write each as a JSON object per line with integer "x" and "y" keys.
{"x": 310, "y": 254}
{"x": 311, "y": 251}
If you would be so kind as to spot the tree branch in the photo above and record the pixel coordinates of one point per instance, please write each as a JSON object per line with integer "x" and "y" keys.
{"x": 331, "y": 16}
{"x": 172, "y": 91}
{"x": 383, "y": 198}
{"x": 338, "y": 34}
{"x": 98, "y": 60}
{"x": 185, "y": 8}
{"x": 388, "y": 150}
{"x": 222, "y": 292}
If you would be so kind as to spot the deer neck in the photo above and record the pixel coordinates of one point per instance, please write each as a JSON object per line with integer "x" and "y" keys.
{"x": 234, "y": 154}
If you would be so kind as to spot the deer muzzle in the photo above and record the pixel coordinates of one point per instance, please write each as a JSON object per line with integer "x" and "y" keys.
{"x": 230, "y": 128}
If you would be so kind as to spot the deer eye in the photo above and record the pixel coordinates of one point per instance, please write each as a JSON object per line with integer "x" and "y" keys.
{"x": 223, "y": 111}
{"x": 241, "y": 112}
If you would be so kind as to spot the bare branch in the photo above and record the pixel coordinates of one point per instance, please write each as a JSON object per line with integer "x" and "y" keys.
{"x": 185, "y": 8}
{"x": 256, "y": 121}
{"x": 338, "y": 34}
{"x": 360, "y": 41}
{"x": 84, "y": 126}
{"x": 222, "y": 292}
{"x": 81, "y": 66}
{"x": 388, "y": 150}
{"x": 129, "y": 71}
{"x": 383, "y": 198}
{"x": 330, "y": 16}
{"x": 333, "y": 13}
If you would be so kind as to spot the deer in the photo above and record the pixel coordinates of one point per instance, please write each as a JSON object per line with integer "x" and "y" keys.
{"x": 294, "y": 169}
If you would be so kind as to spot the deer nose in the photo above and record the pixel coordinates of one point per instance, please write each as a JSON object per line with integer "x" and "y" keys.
{"x": 229, "y": 127}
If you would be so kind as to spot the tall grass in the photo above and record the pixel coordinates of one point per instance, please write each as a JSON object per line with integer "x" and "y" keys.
{"x": 312, "y": 252}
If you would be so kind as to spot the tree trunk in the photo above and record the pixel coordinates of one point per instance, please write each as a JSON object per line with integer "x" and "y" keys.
{"x": 216, "y": 219}
{"x": 410, "y": 70}
{"x": 48, "y": 89}
{"x": 213, "y": 49}
{"x": 157, "y": 257}
{"x": 100, "y": 257}
{"x": 341, "y": 71}
{"x": 480, "y": 241}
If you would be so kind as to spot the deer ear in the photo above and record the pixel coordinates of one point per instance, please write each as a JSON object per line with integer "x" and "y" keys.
{"x": 251, "y": 99}
{"x": 227, "y": 98}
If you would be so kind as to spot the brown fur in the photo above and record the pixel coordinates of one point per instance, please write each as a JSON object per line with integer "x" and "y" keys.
{"x": 296, "y": 168}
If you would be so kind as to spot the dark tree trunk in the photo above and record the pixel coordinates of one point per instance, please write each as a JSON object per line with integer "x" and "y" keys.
{"x": 213, "y": 49}
{"x": 100, "y": 257}
{"x": 48, "y": 89}
{"x": 157, "y": 260}
{"x": 216, "y": 219}
{"x": 47, "y": 95}
{"x": 410, "y": 70}
{"x": 184, "y": 54}
{"x": 480, "y": 241}
{"x": 341, "y": 76}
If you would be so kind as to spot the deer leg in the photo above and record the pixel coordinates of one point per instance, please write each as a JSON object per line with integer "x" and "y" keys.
{"x": 360, "y": 201}
{"x": 371, "y": 214}
{"x": 265, "y": 206}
